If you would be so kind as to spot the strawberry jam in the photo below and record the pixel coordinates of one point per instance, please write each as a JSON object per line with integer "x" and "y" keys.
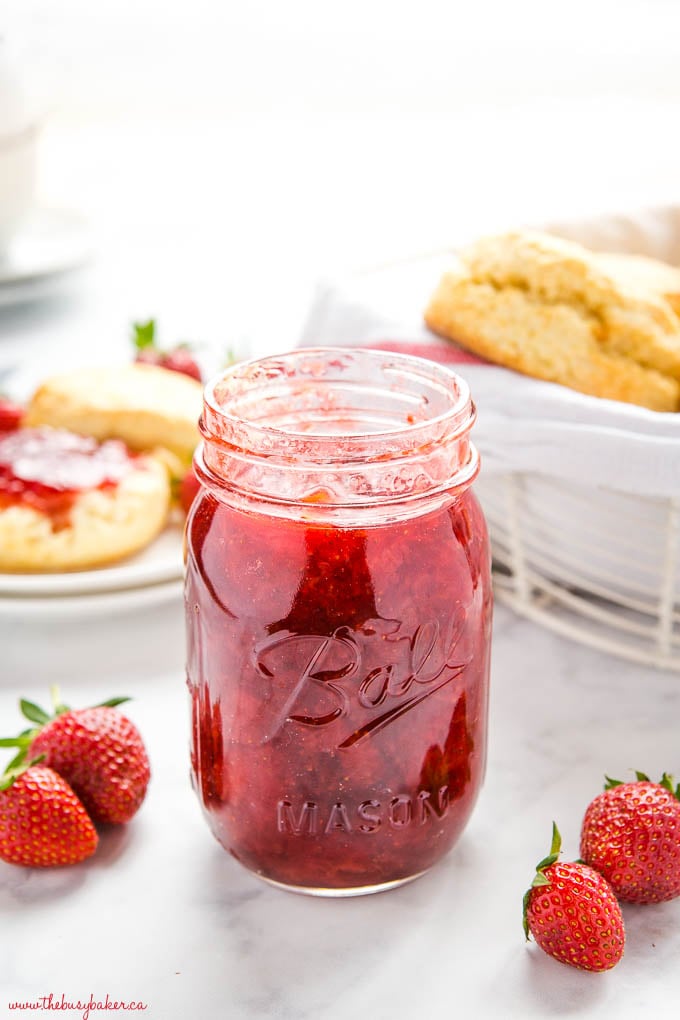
{"x": 46, "y": 469}
{"x": 338, "y": 613}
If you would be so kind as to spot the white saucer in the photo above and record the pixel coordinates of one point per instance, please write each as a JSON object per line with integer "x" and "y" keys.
{"x": 51, "y": 244}
{"x": 160, "y": 563}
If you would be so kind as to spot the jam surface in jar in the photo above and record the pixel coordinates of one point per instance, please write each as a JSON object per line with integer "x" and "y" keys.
{"x": 338, "y": 652}
{"x": 46, "y": 469}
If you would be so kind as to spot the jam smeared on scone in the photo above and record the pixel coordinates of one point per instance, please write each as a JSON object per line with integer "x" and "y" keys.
{"x": 47, "y": 468}
{"x": 68, "y": 502}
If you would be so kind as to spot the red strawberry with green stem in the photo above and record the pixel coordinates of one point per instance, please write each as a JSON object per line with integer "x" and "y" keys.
{"x": 177, "y": 359}
{"x": 42, "y": 822}
{"x": 98, "y": 751}
{"x": 631, "y": 835}
{"x": 572, "y": 913}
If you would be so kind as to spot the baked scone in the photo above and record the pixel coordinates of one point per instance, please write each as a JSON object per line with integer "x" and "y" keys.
{"x": 144, "y": 405}
{"x": 642, "y": 273}
{"x": 68, "y": 502}
{"x": 546, "y": 307}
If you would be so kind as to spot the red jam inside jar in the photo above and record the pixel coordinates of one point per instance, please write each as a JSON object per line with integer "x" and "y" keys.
{"x": 338, "y": 606}
{"x": 46, "y": 469}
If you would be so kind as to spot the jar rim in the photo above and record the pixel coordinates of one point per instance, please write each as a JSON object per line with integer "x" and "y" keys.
{"x": 243, "y": 378}
{"x": 338, "y": 427}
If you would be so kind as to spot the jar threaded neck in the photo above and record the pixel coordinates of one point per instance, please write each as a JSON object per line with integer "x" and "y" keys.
{"x": 337, "y": 427}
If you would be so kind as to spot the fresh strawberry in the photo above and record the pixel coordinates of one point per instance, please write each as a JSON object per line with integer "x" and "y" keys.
{"x": 42, "y": 822}
{"x": 10, "y": 415}
{"x": 573, "y": 914}
{"x": 188, "y": 490}
{"x": 180, "y": 359}
{"x": 177, "y": 359}
{"x": 631, "y": 835}
{"x": 98, "y": 751}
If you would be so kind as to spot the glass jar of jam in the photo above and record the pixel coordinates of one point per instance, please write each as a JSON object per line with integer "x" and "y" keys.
{"x": 338, "y": 605}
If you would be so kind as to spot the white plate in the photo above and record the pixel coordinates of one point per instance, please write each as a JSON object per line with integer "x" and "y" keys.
{"x": 159, "y": 563}
{"x": 82, "y": 607}
{"x": 52, "y": 243}
{"x": 96, "y": 604}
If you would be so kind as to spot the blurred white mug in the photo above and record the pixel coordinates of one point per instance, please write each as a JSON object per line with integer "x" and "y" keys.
{"x": 18, "y": 146}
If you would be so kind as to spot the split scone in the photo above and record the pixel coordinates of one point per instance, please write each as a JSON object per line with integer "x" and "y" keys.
{"x": 144, "y": 405}
{"x": 555, "y": 310}
{"x": 68, "y": 502}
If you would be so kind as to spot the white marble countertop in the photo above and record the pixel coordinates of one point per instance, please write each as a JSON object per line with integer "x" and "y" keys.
{"x": 163, "y": 915}
{"x": 210, "y": 217}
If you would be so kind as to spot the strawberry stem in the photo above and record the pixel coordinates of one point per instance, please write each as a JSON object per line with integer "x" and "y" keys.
{"x": 539, "y": 878}
{"x": 58, "y": 706}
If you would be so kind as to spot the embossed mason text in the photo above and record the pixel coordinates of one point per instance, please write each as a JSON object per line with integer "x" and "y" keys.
{"x": 310, "y": 818}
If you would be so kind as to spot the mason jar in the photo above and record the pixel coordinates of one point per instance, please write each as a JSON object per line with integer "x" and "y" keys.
{"x": 338, "y": 606}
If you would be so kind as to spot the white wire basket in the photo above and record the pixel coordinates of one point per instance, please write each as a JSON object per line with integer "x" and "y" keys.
{"x": 612, "y": 584}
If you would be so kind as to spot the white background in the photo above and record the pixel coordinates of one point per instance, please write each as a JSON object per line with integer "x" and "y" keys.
{"x": 229, "y": 153}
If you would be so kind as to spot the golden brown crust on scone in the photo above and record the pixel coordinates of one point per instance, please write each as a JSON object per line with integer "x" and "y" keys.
{"x": 104, "y": 525}
{"x": 552, "y": 309}
{"x": 144, "y": 405}
{"x": 552, "y": 341}
{"x": 642, "y": 273}
{"x": 634, "y": 322}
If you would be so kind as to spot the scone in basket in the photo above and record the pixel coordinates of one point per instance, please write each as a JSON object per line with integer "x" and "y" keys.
{"x": 582, "y": 495}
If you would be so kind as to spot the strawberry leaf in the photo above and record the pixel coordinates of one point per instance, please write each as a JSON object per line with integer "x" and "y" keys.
{"x": 144, "y": 334}
{"x": 611, "y": 783}
{"x": 16, "y": 768}
{"x": 15, "y": 741}
{"x": 112, "y": 702}
{"x": 525, "y": 907}
{"x": 6, "y": 780}
{"x": 34, "y": 713}
{"x": 14, "y": 764}
{"x": 667, "y": 783}
{"x": 642, "y": 777}
{"x": 540, "y": 879}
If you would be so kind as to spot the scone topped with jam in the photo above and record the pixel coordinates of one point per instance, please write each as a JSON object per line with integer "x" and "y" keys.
{"x": 144, "y": 405}
{"x": 69, "y": 502}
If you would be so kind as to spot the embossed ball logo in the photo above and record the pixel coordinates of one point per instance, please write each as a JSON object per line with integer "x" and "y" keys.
{"x": 369, "y": 677}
